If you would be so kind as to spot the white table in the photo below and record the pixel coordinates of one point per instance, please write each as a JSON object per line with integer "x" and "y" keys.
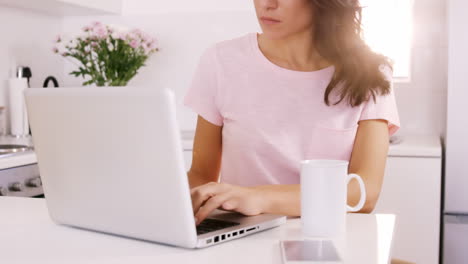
{"x": 27, "y": 235}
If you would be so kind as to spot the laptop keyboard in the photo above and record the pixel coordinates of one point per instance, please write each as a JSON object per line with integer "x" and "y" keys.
{"x": 210, "y": 225}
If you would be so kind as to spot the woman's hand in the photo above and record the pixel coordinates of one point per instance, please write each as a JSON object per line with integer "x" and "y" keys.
{"x": 213, "y": 195}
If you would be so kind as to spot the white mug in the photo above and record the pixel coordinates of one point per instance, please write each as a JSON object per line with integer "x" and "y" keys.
{"x": 324, "y": 197}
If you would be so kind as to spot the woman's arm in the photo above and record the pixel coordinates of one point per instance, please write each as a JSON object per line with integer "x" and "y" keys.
{"x": 206, "y": 157}
{"x": 367, "y": 160}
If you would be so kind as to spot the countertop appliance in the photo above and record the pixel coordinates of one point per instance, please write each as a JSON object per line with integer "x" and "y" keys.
{"x": 456, "y": 165}
{"x": 19, "y": 172}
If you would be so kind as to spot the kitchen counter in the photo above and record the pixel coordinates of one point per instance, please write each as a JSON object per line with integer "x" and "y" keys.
{"x": 29, "y": 236}
{"x": 29, "y": 157}
{"x": 187, "y": 139}
{"x": 427, "y": 146}
{"x": 424, "y": 146}
{"x": 404, "y": 145}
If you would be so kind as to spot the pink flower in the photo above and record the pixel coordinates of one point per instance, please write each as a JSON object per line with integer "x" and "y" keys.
{"x": 101, "y": 32}
{"x": 153, "y": 44}
{"x": 131, "y": 35}
{"x": 58, "y": 38}
{"x": 119, "y": 35}
{"x": 134, "y": 43}
{"x": 146, "y": 37}
{"x": 86, "y": 28}
{"x": 150, "y": 47}
{"x": 146, "y": 49}
{"x": 55, "y": 50}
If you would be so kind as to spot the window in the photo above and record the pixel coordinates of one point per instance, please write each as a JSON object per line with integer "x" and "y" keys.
{"x": 387, "y": 28}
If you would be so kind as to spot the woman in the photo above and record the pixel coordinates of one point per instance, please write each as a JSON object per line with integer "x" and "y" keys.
{"x": 307, "y": 88}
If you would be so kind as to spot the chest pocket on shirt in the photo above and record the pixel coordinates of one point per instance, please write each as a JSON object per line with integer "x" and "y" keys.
{"x": 330, "y": 143}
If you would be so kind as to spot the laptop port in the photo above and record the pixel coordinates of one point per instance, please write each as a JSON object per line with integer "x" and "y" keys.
{"x": 229, "y": 235}
{"x": 234, "y": 234}
{"x": 241, "y": 232}
{"x": 208, "y": 241}
{"x": 216, "y": 239}
{"x": 250, "y": 229}
{"x": 223, "y": 237}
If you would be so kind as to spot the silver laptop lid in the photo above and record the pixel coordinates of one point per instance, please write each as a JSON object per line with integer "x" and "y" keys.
{"x": 111, "y": 160}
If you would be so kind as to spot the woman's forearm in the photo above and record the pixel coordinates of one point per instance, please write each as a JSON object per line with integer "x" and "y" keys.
{"x": 286, "y": 199}
{"x": 281, "y": 199}
{"x": 197, "y": 179}
{"x": 372, "y": 195}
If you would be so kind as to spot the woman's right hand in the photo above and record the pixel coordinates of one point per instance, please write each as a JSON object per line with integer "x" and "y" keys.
{"x": 208, "y": 197}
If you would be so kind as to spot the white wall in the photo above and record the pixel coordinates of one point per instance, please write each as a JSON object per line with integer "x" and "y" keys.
{"x": 114, "y": 6}
{"x": 27, "y": 38}
{"x": 185, "y": 29}
{"x": 132, "y": 7}
{"x": 422, "y": 103}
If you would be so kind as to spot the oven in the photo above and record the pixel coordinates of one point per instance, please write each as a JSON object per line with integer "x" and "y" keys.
{"x": 19, "y": 172}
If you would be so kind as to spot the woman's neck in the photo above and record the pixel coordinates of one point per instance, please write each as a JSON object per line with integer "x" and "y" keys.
{"x": 296, "y": 52}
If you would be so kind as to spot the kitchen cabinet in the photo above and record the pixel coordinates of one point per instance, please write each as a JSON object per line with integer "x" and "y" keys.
{"x": 412, "y": 191}
{"x": 68, "y": 7}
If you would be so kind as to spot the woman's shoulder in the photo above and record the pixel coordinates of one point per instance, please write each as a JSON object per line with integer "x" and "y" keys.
{"x": 232, "y": 49}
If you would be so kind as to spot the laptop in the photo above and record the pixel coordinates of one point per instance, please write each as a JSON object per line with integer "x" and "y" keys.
{"x": 111, "y": 160}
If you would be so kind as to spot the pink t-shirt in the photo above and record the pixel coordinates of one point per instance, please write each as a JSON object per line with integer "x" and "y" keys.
{"x": 273, "y": 117}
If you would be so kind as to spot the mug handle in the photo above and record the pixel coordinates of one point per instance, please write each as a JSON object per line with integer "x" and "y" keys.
{"x": 362, "y": 189}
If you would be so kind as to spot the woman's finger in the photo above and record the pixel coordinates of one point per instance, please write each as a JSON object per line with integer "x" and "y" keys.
{"x": 202, "y": 193}
{"x": 210, "y": 205}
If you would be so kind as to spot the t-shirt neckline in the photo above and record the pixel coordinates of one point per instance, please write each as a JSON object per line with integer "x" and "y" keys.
{"x": 292, "y": 73}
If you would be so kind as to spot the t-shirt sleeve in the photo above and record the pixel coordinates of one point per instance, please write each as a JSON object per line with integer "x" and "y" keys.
{"x": 203, "y": 94}
{"x": 384, "y": 107}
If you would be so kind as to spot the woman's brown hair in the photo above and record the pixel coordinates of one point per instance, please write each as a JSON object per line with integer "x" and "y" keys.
{"x": 339, "y": 40}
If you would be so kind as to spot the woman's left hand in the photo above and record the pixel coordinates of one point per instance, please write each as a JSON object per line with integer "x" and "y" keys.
{"x": 206, "y": 198}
